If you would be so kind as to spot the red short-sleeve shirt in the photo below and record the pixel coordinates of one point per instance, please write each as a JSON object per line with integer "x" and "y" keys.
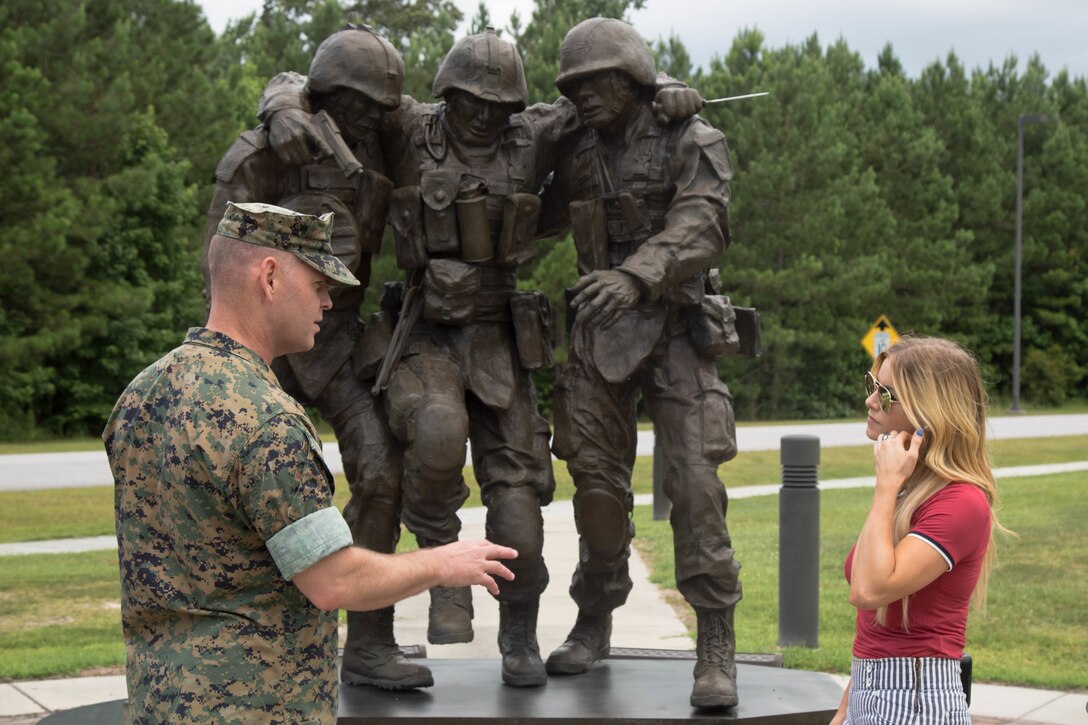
{"x": 956, "y": 522}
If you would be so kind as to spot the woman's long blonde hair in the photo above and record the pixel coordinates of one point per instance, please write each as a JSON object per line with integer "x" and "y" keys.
{"x": 940, "y": 387}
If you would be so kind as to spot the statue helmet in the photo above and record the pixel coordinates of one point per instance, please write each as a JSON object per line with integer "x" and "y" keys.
{"x": 485, "y": 66}
{"x": 357, "y": 57}
{"x": 603, "y": 44}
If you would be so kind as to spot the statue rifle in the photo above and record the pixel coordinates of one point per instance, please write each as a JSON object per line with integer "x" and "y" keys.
{"x": 410, "y": 310}
{"x": 332, "y": 137}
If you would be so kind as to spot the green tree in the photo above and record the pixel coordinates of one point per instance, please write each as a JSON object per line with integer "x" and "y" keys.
{"x": 808, "y": 224}
{"x": 99, "y": 261}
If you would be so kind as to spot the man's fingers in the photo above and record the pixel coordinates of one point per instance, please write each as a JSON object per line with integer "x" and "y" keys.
{"x": 500, "y": 570}
{"x": 498, "y": 551}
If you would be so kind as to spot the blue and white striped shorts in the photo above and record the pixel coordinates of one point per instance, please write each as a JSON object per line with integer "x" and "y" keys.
{"x": 906, "y": 691}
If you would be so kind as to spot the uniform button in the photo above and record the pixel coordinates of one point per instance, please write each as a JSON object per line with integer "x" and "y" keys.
{"x": 440, "y": 196}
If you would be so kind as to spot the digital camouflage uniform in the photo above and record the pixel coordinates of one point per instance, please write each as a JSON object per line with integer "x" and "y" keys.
{"x": 325, "y": 376}
{"x": 656, "y": 209}
{"x": 221, "y": 498}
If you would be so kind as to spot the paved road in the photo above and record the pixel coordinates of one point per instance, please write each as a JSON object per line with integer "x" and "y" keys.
{"x": 32, "y": 471}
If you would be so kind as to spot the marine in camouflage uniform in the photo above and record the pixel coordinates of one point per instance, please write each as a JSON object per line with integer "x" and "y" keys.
{"x": 356, "y": 75}
{"x": 648, "y": 206}
{"x": 221, "y": 498}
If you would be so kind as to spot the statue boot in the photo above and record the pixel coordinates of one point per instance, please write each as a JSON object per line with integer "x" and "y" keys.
{"x": 715, "y": 667}
{"x": 587, "y": 643}
{"x": 450, "y": 615}
{"x": 521, "y": 663}
{"x": 372, "y": 657}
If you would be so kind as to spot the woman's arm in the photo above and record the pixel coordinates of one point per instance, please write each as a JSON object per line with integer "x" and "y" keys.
{"x": 883, "y": 572}
{"x": 840, "y": 714}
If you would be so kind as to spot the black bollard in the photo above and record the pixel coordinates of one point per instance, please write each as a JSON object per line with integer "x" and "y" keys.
{"x": 662, "y": 505}
{"x": 799, "y": 543}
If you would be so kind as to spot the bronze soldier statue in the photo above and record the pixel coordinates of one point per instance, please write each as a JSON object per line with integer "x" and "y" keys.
{"x": 464, "y": 215}
{"x": 356, "y": 76}
{"x": 468, "y": 171}
{"x": 649, "y": 210}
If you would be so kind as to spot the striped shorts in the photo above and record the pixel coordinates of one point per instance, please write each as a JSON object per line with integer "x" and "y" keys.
{"x": 906, "y": 691}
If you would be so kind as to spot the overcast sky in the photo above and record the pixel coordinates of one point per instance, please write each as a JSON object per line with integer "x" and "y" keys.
{"x": 920, "y": 31}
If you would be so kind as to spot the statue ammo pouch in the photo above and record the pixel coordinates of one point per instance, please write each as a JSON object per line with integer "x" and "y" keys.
{"x": 520, "y": 214}
{"x": 370, "y": 348}
{"x": 532, "y": 316}
{"x": 712, "y": 327}
{"x": 406, "y": 218}
{"x": 589, "y": 226}
{"x": 439, "y": 190}
{"x": 372, "y": 209}
{"x": 750, "y": 331}
{"x": 450, "y": 288}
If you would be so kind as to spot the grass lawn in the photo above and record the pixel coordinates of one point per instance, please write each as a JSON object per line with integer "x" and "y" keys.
{"x": 59, "y": 613}
{"x": 1035, "y": 629}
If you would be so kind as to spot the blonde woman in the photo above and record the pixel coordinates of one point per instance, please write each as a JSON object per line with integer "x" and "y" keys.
{"x": 926, "y": 547}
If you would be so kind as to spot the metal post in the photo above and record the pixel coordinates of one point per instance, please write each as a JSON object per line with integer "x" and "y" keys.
{"x": 662, "y": 505}
{"x": 1020, "y": 121}
{"x": 799, "y": 543}
{"x": 1016, "y": 277}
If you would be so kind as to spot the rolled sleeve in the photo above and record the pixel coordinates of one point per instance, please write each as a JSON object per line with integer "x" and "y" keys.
{"x": 300, "y": 545}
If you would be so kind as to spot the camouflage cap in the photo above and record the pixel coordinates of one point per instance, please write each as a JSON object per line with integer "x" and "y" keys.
{"x": 306, "y": 236}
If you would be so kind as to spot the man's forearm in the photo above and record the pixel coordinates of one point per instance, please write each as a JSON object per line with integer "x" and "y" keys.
{"x": 361, "y": 580}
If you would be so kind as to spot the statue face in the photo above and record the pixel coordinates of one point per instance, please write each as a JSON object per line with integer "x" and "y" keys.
{"x": 474, "y": 121}
{"x": 356, "y": 115}
{"x": 604, "y": 99}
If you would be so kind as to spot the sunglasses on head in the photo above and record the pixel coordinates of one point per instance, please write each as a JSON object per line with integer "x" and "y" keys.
{"x": 887, "y": 397}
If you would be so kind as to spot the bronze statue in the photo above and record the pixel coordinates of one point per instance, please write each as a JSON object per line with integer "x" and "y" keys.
{"x": 355, "y": 77}
{"x": 468, "y": 172}
{"x": 464, "y": 215}
{"x": 648, "y": 206}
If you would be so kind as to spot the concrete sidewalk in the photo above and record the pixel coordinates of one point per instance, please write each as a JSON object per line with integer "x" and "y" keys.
{"x": 646, "y": 621}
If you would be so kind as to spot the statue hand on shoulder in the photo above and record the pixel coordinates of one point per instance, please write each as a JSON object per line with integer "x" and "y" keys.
{"x": 295, "y": 138}
{"x": 676, "y": 103}
{"x": 602, "y": 296}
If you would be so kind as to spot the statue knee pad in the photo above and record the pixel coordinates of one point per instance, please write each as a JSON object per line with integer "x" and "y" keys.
{"x": 602, "y": 522}
{"x": 438, "y": 434}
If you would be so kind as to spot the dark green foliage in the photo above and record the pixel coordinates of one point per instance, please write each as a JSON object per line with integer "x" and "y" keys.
{"x": 858, "y": 192}
{"x": 99, "y": 249}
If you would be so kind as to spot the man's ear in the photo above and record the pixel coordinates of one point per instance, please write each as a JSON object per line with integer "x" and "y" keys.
{"x": 269, "y": 276}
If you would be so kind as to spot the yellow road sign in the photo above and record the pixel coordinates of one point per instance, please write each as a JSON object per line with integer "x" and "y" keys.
{"x": 880, "y": 336}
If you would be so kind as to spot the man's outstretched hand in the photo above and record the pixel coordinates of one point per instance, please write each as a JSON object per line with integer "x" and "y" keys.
{"x": 475, "y": 562}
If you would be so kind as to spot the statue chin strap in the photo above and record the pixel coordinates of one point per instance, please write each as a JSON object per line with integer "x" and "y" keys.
{"x": 434, "y": 139}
